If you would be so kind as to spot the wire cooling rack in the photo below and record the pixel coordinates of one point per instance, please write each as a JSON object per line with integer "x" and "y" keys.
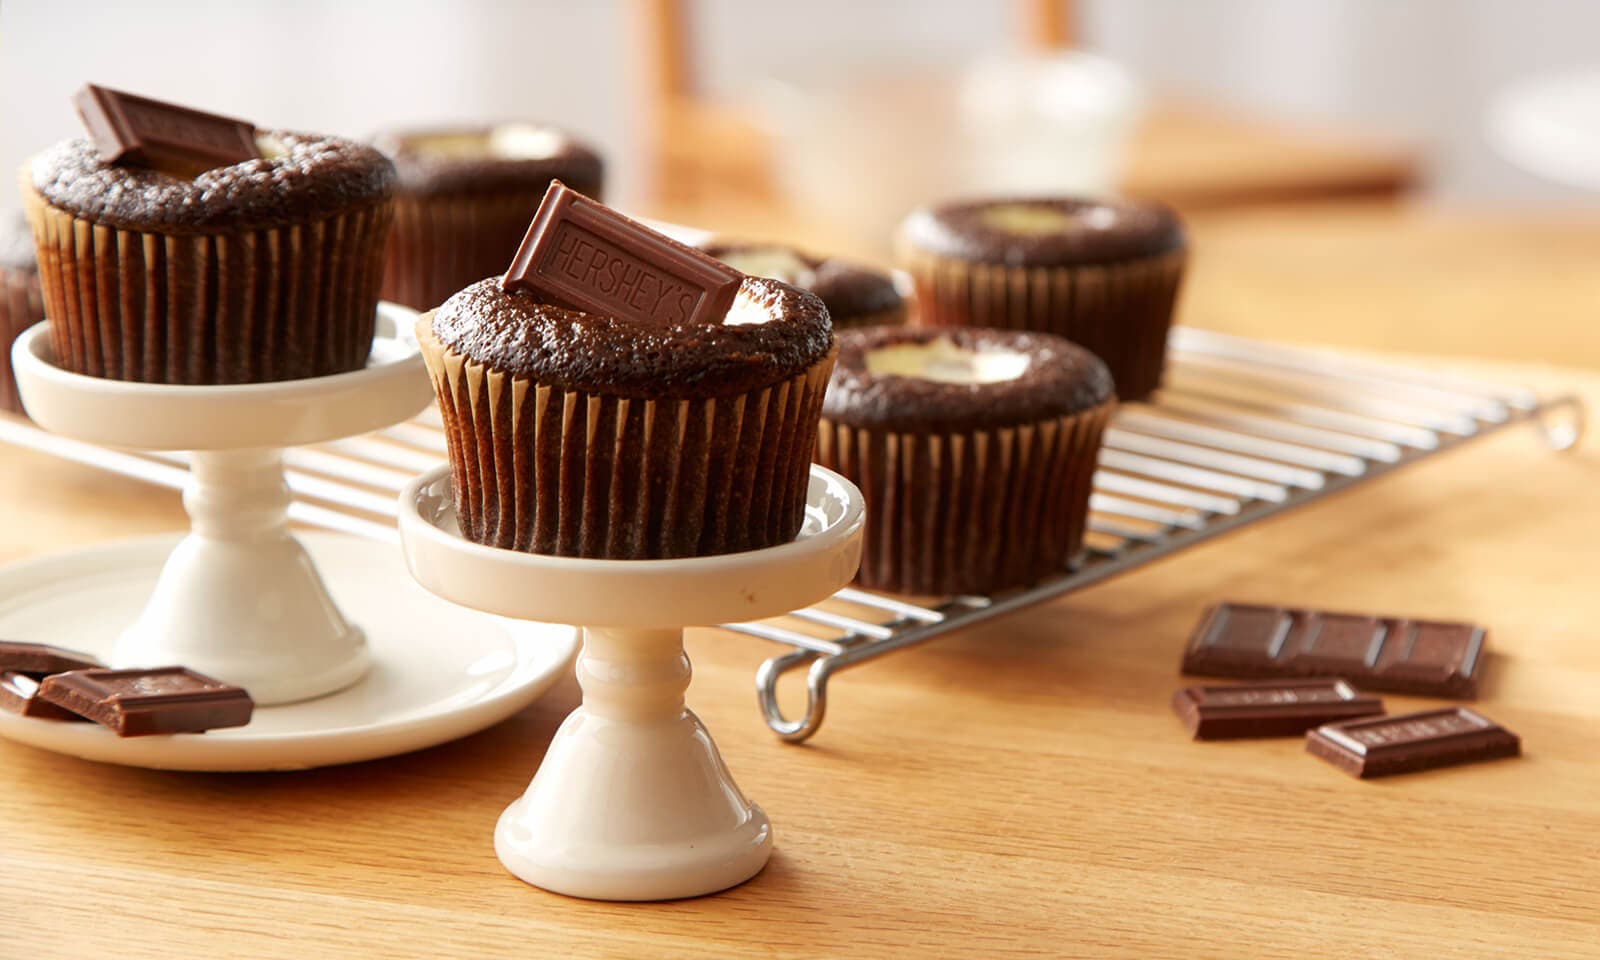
{"x": 1241, "y": 430}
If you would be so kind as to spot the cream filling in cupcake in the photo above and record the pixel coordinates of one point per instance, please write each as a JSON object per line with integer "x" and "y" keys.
{"x": 270, "y": 146}
{"x": 508, "y": 141}
{"x": 940, "y": 360}
{"x": 1032, "y": 220}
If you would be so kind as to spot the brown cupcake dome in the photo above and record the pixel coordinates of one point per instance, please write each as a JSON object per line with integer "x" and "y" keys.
{"x": 281, "y": 303}
{"x": 1111, "y": 290}
{"x": 579, "y": 435}
{"x": 544, "y": 469}
{"x": 856, "y": 295}
{"x": 960, "y": 501}
{"x": 259, "y": 271}
{"x": 460, "y": 219}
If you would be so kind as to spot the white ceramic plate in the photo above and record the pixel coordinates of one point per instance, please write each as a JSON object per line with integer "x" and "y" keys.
{"x": 439, "y": 671}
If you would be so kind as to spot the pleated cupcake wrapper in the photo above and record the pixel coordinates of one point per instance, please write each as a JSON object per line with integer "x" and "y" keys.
{"x": 971, "y": 512}
{"x": 20, "y": 308}
{"x": 546, "y": 470}
{"x": 1119, "y": 311}
{"x": 273, "y": 304}
{"x": 440, "y": 244}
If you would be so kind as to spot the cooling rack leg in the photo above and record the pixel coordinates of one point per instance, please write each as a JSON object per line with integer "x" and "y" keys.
{"x": 1562, "y": 421}
{"x": 794, "y": 731}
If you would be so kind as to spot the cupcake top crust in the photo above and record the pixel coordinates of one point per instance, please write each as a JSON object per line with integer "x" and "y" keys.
{"x": 849, "y": 289}
{"x": 956, "y": 379}
{"x": 299, "y": 177}
{"x": 774, "y": 331}
{"x": 489, "y": 158}
{"x": 1044, "y": 231}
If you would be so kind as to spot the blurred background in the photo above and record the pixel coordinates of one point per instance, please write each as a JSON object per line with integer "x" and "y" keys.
{"x": 1442, "y": 153}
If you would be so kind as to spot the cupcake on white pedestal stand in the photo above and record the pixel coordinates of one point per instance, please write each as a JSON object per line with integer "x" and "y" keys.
{"x": 241, "y": 598}
{"x": 633, "y": 800}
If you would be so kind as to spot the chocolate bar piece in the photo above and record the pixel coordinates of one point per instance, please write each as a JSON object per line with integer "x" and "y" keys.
{"x": 1382, "y": 746}
{"x": 1274, "y": 708}
{"x": 1393, "y": 654}
{"x": 581, "y": 254}
{"x": 19, "y": 693}
{"x": 128, "y": 129}
{"x": 39, "y": 659}
{"x": 137, "y": 703}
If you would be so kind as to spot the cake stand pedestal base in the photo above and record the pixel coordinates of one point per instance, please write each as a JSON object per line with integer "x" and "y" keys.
{"x": 239, "y": 598}
{"x": 633, "y": 800}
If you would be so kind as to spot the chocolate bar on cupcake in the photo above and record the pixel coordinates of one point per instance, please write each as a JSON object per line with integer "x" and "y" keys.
{"x": 974, "y": 449}
{"x": 1102, "y": 273}
{"x": 182, "y": 247}
{"x": 856, "y": 295}
{"x": 465, "y": 197}
{"x": 620, "y": 395}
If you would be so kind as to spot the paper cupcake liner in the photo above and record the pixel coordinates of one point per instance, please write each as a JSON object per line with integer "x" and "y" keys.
{"x": 274, "y": 304}
{"x": 21, "y": 306}
{"x": 441, "y": 244}
{"x": 972, "y": 512}
{"x": 545, "y": 470}
{"x": 1121, "y": 312}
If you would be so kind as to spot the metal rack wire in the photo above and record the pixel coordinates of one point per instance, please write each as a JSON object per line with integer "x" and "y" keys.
{"x": 1242, "y": 430}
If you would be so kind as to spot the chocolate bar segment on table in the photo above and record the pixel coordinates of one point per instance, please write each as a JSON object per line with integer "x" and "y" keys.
{"x": 19, "y": 694}
{"x": 140, "y": 702}
{"x": 40, "y": 659}
{"x": 129, "y": 129}
{"x": 1272, "y": 708}
{"x": 1393, "y": 654}
{"x": 581, "y": 254}
{"x": 1381, "y": 746}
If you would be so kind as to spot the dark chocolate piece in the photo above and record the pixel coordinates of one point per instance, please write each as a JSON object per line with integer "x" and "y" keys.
{"x": 582, "y": 254}
{"x": 1273, "y": 708}
{"x": 1421, "y": 657}
{"x": 19, "y": 693}
{"x": 139, "y": 702}
{"x": 129, "y": 129}
{"x": 39, "y": 659}
{"x": 1380, "y": 746}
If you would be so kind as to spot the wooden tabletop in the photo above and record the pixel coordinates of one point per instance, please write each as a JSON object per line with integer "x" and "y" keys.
{"x": 1017, "y": 789}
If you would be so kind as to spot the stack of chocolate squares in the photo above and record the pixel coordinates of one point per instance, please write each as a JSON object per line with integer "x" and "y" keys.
{"x": 49, "y": 683}
{"x": 1312, "y": 673}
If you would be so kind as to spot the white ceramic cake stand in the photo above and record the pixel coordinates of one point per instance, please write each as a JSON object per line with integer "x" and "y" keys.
{"x": 633, "y": 801}
{"x": 239, "y": 598}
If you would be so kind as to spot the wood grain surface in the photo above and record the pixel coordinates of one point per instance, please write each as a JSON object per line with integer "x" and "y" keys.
{"x": 1020, "y": 789}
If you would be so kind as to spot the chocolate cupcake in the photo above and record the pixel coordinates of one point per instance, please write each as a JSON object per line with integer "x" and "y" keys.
{"x": 465, "y": 197}
{"x": 586, "y": 435}
{"x": 1101, "y": 273}
{"x": 21, "y": 305}
{"x": 257, "y": 270}
{"x": 856, "y": 295}
{"x": 974, "y": 449}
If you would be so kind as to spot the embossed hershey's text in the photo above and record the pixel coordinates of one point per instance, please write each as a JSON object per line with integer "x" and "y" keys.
{"x": 581, "y": 258}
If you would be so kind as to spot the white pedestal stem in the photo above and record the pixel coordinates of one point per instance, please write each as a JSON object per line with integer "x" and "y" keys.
{"x": 633, "y": 801}
{"x": 239, "y": 598}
